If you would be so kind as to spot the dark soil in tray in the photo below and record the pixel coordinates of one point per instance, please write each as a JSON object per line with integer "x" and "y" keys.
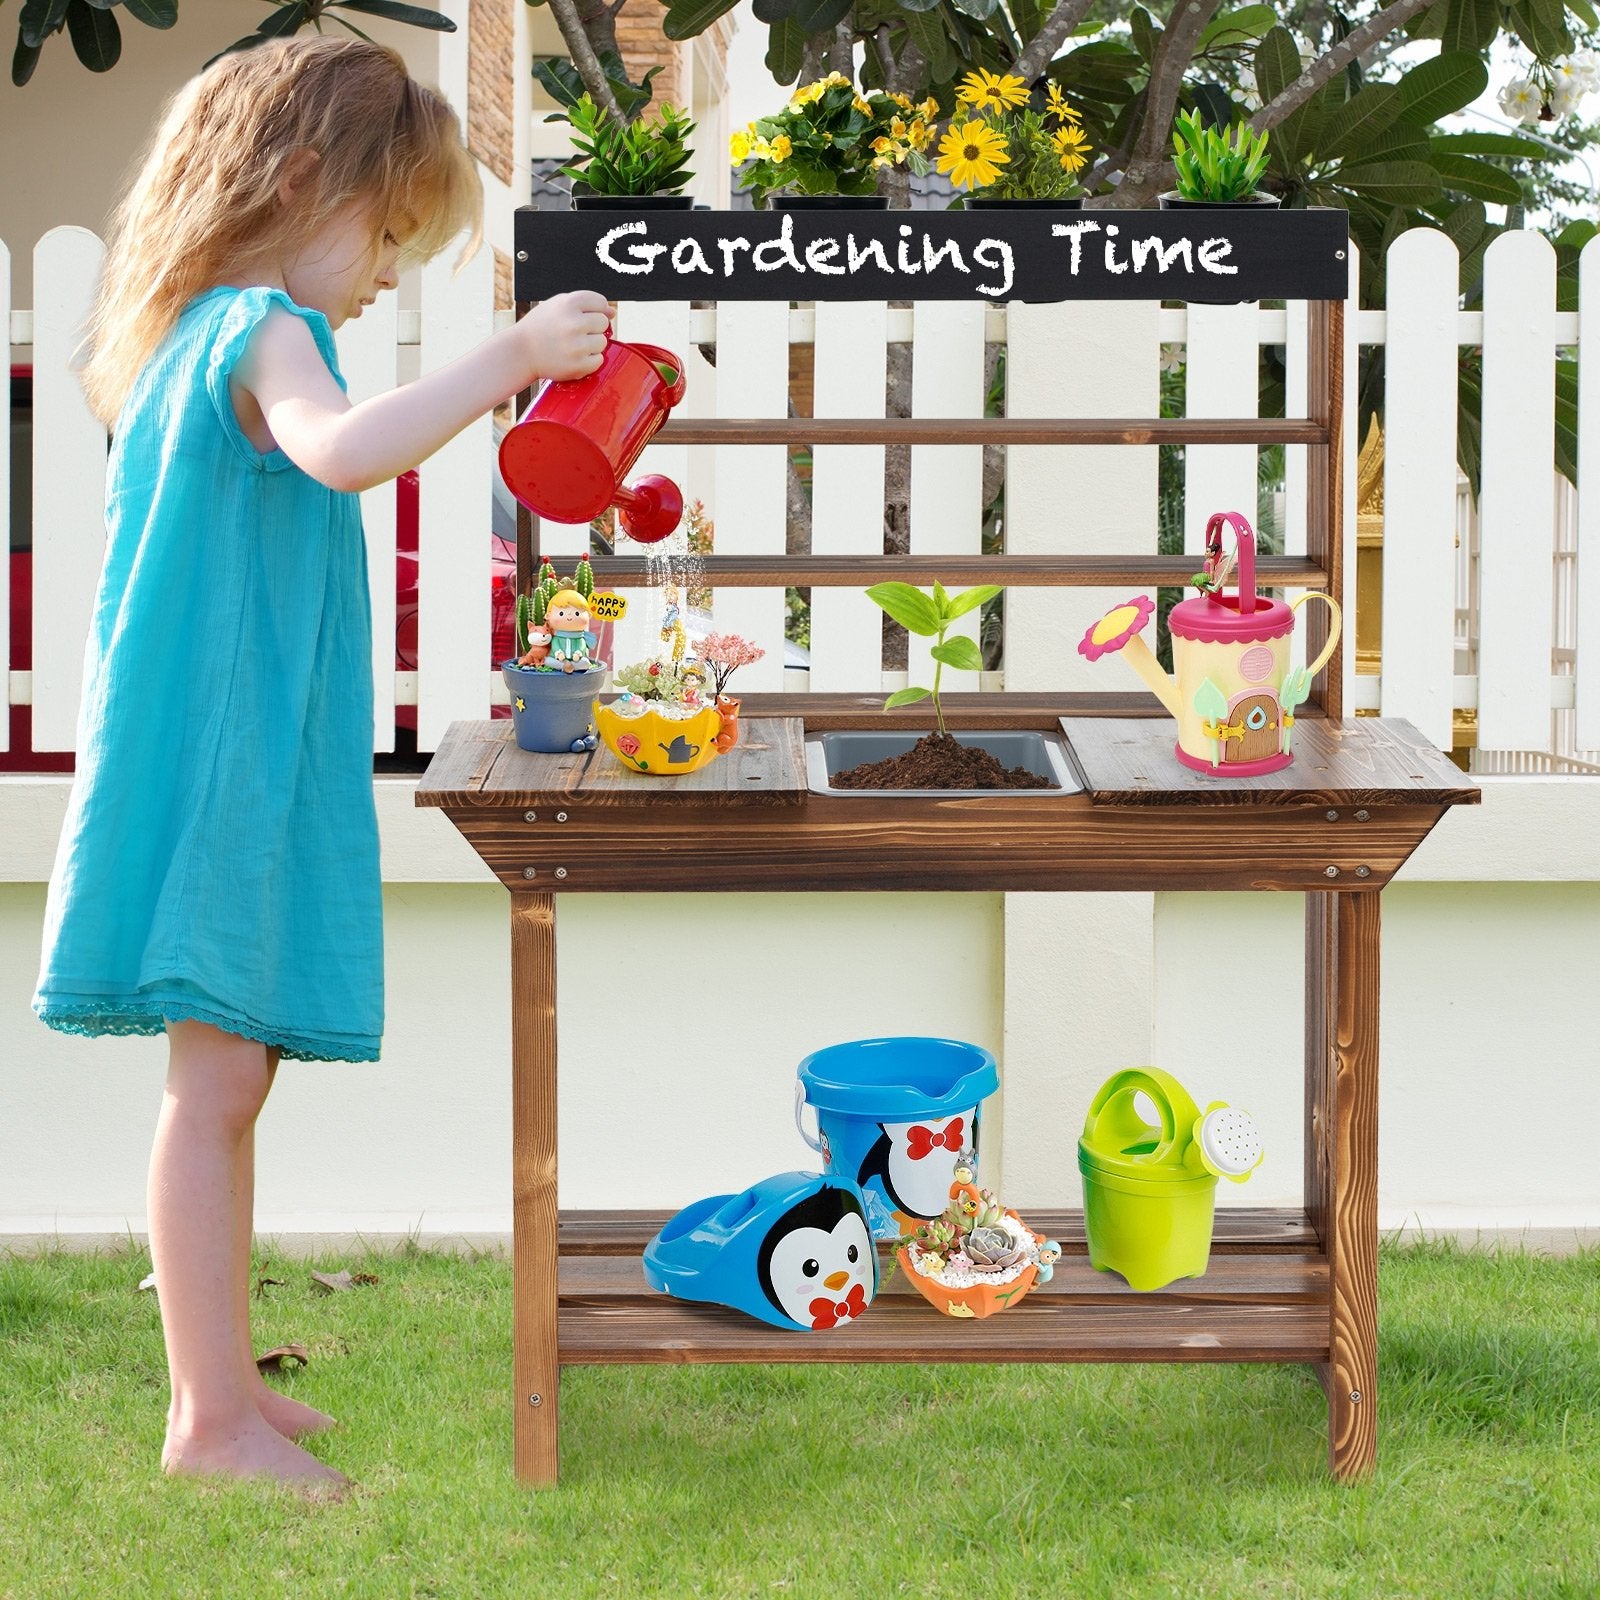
{"x": 936, "y": 761}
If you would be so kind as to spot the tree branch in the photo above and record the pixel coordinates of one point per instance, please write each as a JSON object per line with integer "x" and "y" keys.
{"x": 1042, "y": 47}
{"x": 584, "y": 58}
{"x": 813, "y": 55}
{"x": 1354, "y": 45}
{"x": 1147, "y": 165}
{"x": 842, "y": 52}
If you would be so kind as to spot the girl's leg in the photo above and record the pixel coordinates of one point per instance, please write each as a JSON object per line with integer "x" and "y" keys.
{"x": 216, "y": 1083}
{"x": 292, "y": 1418}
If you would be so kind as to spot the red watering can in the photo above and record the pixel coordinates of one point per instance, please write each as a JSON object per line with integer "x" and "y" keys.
{"x": 568, "y": 455}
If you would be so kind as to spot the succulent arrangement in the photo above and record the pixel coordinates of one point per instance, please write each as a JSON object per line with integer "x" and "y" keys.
{"x": 533, "y": 642}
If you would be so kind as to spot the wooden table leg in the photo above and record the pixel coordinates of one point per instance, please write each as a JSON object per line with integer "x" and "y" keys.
{"x": 533, "y": 1185}
{"x": 1341, "y": 1172}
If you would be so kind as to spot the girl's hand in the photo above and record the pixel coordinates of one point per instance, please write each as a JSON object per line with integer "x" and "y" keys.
{"x": 565, "y": 336}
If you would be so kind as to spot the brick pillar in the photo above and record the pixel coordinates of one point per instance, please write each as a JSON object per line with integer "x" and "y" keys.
{"x": 490, "y": 86}
{"x": 643, "y": 45}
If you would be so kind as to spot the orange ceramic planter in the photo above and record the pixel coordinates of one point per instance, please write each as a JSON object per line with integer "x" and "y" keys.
{"x": 981, "y": 1300}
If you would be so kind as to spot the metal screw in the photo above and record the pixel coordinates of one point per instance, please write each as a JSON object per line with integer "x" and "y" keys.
{"x": 522, "y": 255}
{"x": 561, "y": 816}
{"x": 1355, "y": 1397}
{"x": 1330, "y": 872}
{"x": 1361, "y": 816}
{"x": 1338, "y": 255}
{"x": 530, "y": 816}
{"x": 538, "y": 1399}
{"x": 1333, "y": 816}
{"x": 561, "y": 872}
{"x": 1363, "y": 872}
{"x": 530, "y": 872}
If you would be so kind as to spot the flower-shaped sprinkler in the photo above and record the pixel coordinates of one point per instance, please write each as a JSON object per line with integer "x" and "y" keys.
{"x": 567, "y": 456}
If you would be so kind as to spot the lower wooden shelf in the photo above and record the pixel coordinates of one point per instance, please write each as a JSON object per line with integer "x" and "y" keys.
{"x": 1265, "y": 1297}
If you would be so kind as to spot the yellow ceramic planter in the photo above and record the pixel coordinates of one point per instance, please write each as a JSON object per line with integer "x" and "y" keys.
{"x": 666, "y": 746}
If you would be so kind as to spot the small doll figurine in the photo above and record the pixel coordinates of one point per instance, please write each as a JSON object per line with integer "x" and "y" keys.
{"x": 567, "y": 617}
{"x": 728, "y": 735}
{"x": 1046, "y": 1256}
{"x": 964, "y": 1191}
{"x": 539, "y": 641}
{"x": 693, "y": 678}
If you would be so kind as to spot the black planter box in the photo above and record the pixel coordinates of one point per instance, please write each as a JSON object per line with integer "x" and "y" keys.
{"x": 1043, "y": 753}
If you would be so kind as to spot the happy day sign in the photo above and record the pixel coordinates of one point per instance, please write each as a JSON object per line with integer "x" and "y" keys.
{"x": 1033, "y": 255}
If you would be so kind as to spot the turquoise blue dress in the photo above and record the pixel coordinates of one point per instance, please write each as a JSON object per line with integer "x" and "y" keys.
{"x": 220, "y": 854}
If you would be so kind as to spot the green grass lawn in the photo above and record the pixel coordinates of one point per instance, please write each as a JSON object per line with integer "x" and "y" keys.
{"x": 833, "y": 1482}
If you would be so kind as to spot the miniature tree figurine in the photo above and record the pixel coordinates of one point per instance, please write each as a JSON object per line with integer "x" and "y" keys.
{"x": 723, "y": 654}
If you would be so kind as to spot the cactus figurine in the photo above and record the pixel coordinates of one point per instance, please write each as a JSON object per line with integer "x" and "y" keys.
{"x": 583, "y": 578}
{"x": 524, "y": 617}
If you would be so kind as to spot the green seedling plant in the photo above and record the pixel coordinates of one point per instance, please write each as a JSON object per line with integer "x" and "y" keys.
{"x": 931, "y": 616}
{"x": 1217, "y": 164}
{"x": 627, "y": 158}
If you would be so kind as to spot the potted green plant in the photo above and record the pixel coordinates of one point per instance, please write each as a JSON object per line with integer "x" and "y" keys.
{"x": 827, "y": 146}
{"x": 1217, "y": 166}
{"x": 1008, "y": 153}
{"x": 940, "y": 762}
{"x": 554, "y": 677}
{"x": 626, "y": 165}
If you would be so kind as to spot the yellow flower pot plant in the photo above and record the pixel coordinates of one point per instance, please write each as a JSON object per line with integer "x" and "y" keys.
{"x": 1004, "y": 151}
{"x": 828, "y": 145}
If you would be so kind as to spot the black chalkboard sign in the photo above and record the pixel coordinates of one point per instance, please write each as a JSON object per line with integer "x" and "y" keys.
{"x": 1211, "y": 255}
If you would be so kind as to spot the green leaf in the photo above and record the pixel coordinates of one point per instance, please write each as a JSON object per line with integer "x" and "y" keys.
{"x": 1480, "y": 179}
{"x": 23, "y": 60}
{"x": 960, "y": 652}
{"x": 153, "y": 13}
{"x": 906, "y": 697}
{"x": 1471, "y": 25}
{"x": 979, "y": 10}
{"x": 816, "y": 16}
{"x": 1584, "y": 12}
{"x": 95, "y": 36}
{"x": 1277, "y": 64}
{"x": 38, "y": 20}
{"x": 1487, "y": 144}
{"x": 689, "y": 18}
{"x": 1142, "y": 30}
{"x": 911, "y": 608}
{"x": 941, "y": 599}
{"x": 970, "y": 599}
{"x": 1435, "y": 88}
{"x": 417, "y": 16}
{"x": 1399, "y": 183}
{"x": 786, "y": 44}
{"x": 1359, "y": 120}
{"x": 772, "y": 12}
{"x": 1235, "y": 27}
{"x": 285, "y": 20}
{"x": 1542, "y": 26}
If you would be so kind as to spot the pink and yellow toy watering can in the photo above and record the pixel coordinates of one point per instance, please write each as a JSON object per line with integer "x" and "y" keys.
{"x": 1233, "y": 690}
{"x": 567, "y": 456}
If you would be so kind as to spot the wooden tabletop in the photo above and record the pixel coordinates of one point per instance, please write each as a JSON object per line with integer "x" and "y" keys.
{"x": 1121, "y": 761}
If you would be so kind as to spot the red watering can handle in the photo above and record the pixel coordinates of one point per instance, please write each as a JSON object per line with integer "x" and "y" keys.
{"x": 672, "y": 392}
{"x": 1244, "y": 543}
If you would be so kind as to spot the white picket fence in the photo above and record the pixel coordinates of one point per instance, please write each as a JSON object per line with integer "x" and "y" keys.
{"x": 1484, "y": 605}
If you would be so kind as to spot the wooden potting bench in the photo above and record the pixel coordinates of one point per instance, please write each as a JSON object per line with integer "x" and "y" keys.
{"x": 1296, "y": 1285}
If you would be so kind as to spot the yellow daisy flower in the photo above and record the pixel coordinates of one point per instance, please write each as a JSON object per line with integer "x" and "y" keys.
{"x": 972, "y": 153}
{"x": 982, "y": 90}
{"x": 1059, "y": 106}
{"x": 1071, "y": 146}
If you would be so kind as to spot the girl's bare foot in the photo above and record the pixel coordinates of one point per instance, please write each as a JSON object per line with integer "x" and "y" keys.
{"x": 294, "y": 1419}
{"x": 251, "y": 1448}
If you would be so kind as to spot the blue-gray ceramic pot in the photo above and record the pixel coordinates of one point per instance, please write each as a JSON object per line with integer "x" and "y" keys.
{"x": 551, "y": 709}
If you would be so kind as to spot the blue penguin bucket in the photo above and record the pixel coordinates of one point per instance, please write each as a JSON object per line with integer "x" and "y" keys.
{"x": 551, "y": 710}
{"x": 792, "y": 1250}
{"x": 892, "y": 1116}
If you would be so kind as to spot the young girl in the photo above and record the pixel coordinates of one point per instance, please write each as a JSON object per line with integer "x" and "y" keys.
{"x": 218, "y": 874}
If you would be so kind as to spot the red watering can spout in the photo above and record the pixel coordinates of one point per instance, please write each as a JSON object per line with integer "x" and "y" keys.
{"x": 567, "y": 456}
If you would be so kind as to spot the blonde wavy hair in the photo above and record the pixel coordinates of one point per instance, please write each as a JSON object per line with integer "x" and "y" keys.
{"x": 205, "y": 203}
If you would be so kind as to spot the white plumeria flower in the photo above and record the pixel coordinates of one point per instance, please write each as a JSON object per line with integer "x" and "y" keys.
{"x": 1172, "y": 358}
{"x": 1521, "y": 100}
{"x": 1565, "y": 98}
{"x": 1250, "y": 89}
{"x": 1586, "y": 65}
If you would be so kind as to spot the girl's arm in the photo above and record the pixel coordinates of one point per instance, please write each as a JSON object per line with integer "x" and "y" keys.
{"x": 353, "y": 447}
